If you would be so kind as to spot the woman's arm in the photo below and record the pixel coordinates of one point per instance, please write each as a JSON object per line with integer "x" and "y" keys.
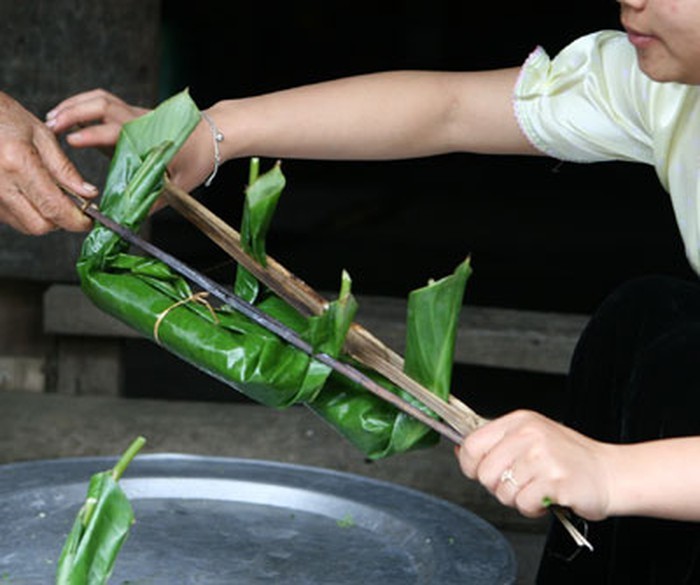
{"x": 389, "y": 115}
{"x": 658, "y": 478}
{"x": 400, "y": 114}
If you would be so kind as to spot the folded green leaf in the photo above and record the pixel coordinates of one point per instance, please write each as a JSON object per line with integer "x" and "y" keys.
{"x": 100, "y": 528}
{"x": 262, "y": 196}
{"x": 431, "y": 329}
{"x": 327, "y": 332}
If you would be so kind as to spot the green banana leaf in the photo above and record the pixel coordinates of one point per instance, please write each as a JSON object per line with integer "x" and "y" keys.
{"x": 100, "y": 528}
{"x": 147, "y": 295}
{"x": 432, "y": 320}
{"x": 261, "y": 199}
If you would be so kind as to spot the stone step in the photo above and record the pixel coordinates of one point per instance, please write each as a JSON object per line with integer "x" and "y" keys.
{"x": 487, "y": 336}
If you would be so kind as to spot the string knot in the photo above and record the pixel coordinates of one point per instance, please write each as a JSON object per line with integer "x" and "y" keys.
{"x": 198, "y": 297}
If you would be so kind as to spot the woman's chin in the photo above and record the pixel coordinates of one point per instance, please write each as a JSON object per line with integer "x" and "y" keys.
{"x": 667, "y": 72}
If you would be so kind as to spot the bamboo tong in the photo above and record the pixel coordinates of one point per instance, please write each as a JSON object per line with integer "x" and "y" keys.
{"x": 360, "y": 343}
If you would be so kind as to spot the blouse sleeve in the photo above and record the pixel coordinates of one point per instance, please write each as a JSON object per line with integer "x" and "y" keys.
{"x": 588, "y": 103}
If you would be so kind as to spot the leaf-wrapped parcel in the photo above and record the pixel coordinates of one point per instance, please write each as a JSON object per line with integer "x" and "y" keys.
{"x": 148, "y": 296}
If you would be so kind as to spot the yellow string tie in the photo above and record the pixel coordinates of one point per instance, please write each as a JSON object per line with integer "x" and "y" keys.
{"x": 199, "y": 297}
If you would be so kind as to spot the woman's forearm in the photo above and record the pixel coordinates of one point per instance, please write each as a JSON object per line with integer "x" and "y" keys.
{"x": 379, "y": 116}
{"x": 658, "y": 478}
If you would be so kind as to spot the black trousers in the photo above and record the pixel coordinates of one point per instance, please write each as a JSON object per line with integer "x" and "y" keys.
{"x": 635, "y": 376}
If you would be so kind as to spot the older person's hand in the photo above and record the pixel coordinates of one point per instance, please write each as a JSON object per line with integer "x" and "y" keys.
{"x": 32, "y": 167}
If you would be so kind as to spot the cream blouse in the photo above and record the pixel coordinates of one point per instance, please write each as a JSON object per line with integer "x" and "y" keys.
{"x": 592, "y": 103}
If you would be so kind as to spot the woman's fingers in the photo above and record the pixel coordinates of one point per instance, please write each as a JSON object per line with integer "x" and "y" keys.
{"x": 104, "y": 135}
{"x": 478, "y": 444}
{"x": 79, "y": 98}
{"x": 94, "y": 107}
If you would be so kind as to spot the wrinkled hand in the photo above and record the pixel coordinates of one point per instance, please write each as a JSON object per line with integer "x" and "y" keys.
{"x": 32, "y": 165}
{"x": 99, "y": 117}
{"x": 524, "y": 458}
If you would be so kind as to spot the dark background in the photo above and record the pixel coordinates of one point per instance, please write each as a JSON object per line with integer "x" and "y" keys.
{"x": 542, "y": 235}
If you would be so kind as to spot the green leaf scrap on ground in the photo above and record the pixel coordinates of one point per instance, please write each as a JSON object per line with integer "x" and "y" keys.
{"x": 100, "y": 528}
{"x": 346, "y": 521}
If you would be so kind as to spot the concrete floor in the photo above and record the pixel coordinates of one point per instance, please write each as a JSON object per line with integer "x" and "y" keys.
{"x": 44, "y": 426}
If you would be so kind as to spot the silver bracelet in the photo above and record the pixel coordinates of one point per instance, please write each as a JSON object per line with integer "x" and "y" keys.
{"x": 218, "y": 137}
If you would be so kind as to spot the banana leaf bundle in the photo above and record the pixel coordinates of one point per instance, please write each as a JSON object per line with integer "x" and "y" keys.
{"x": 148, "y": 296}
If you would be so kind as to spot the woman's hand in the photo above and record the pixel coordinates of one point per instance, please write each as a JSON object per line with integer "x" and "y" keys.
{"x": 92, "y": 119}
{"x": 526, "y": 460}
{"x": 95, "y": 118}
{"x": 32, "y": 167}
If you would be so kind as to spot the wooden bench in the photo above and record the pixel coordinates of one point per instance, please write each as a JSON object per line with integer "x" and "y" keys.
{"x": 86, "y": 358}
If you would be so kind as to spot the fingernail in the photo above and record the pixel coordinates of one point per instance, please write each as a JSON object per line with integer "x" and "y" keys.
{"x": 51, "y": 114}
{"x": 50, "y": 122}
{"x": 89, "y": 187}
